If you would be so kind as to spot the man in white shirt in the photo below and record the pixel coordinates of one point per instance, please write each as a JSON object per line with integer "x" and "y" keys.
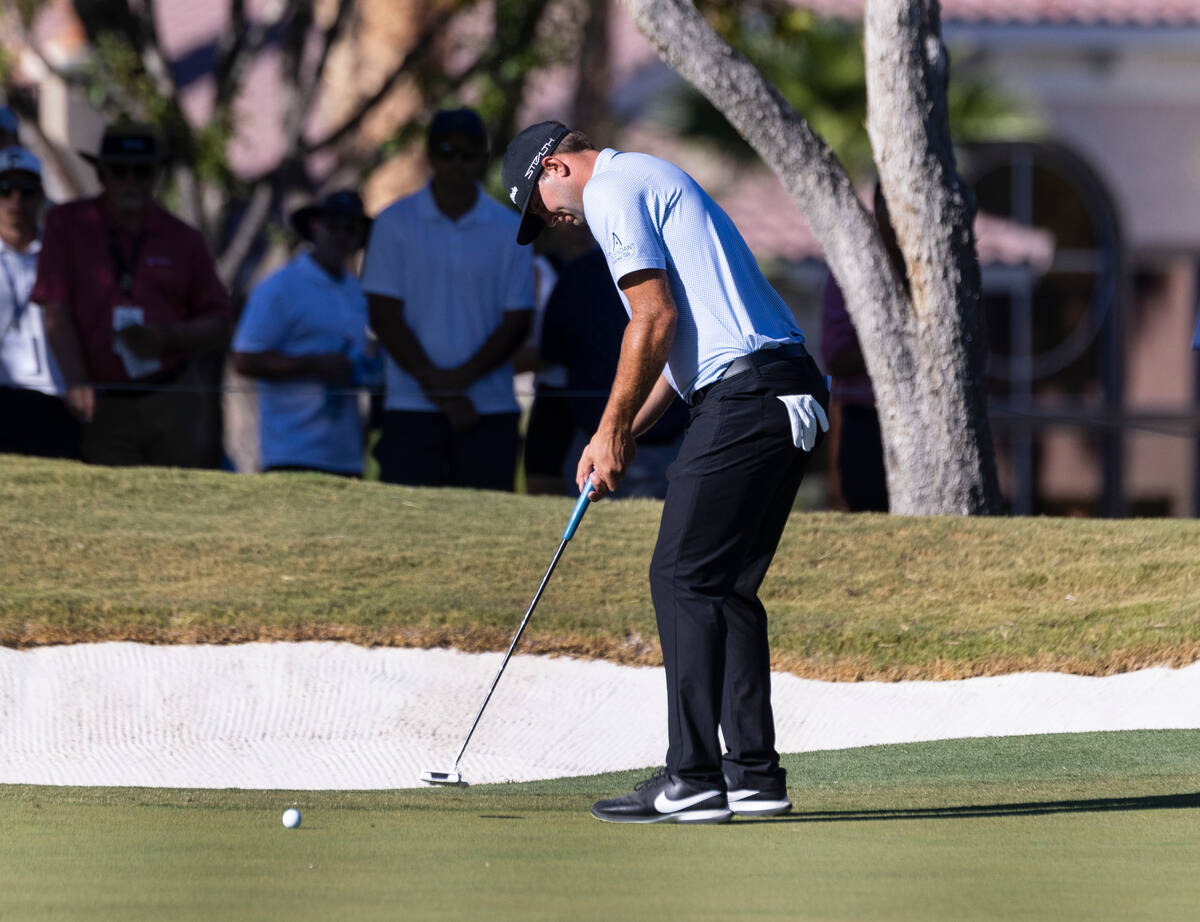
{"x": 33, "y": 415}
{"x": 706, "y": 326}
{"x": 451, "y": 300}
{"x": 303, "y": 335}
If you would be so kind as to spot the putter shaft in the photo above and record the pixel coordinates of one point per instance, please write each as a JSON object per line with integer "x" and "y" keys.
{"x": 580, "y": 507}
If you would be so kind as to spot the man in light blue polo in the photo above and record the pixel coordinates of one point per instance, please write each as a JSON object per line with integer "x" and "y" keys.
{"x": 706, "y": 326}
{"x": 303, "y": 335}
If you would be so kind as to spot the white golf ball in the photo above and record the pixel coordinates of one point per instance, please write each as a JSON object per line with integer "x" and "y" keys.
{"x": 291, "y": 818}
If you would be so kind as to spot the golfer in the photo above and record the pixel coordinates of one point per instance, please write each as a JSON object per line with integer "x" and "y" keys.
{"x": 703, "y": 324}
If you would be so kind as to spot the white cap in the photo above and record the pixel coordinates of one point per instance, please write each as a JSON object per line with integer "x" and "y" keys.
{"x": 8, "y": 120}
{"x": 18, "y": 158}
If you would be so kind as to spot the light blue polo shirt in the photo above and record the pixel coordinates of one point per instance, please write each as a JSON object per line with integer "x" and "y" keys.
{"x": 647, "y": 213}
{"x": 302, "y": 310}
{"x": 456, "y": 279}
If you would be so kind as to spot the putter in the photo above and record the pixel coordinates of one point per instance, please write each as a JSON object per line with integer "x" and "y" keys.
{"x": 452, "y": 778}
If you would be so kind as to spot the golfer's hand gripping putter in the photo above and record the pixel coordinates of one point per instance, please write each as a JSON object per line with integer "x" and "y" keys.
{"x": 452, "y": 778}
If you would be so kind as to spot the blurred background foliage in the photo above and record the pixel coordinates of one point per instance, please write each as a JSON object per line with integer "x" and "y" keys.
{"x": 819, "y": 68}
{"x": 481, "y": 53}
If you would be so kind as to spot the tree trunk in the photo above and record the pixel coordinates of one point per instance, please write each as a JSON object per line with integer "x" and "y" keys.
{"x": 925, "y": 353}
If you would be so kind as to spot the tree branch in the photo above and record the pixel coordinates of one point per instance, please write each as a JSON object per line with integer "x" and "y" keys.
{"x": 785, "y": 141}
{"x": 298, "y": 23}
{"x": 421, "y": 49}
{"x": 153, "y": 59}
{"x": 239, "y": 46}
{"x": 330, "y": 36}
{"x": 254, "y": 218}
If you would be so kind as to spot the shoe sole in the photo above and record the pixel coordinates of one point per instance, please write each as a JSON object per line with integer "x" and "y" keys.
{"x": 695, "y": 817}
{"x": 761, "y": 807}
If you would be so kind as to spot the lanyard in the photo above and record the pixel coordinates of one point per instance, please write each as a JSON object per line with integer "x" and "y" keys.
{"x": 18, "y": 302}
{"x": 125, "y": 269}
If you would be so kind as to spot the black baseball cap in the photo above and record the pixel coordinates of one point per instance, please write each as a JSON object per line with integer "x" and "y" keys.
{"x": 522, "y": 167}
{"x": 457, "y": 121}
{"x": 345, "y": 203}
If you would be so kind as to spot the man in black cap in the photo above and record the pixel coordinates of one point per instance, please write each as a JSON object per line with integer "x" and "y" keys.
{"x": 451, "y": 300}
{"x": 706, "y": 326}
{"x": 131, "y": 297}
{"x": 303, "y": 335}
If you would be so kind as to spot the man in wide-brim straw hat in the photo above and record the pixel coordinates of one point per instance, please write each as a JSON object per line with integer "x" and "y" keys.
{"x": 131, "y": 295}
{"x": 303, "y": 335}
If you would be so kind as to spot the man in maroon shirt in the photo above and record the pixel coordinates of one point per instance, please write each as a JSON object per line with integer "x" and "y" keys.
{"x": 130, "y": 295}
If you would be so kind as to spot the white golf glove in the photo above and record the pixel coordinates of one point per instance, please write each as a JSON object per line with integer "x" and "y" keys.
{"x": 805, "y": 414}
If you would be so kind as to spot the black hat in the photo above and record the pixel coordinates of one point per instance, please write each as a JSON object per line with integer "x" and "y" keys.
{"x": 522, "y": 167}
{"x": 128, "y": 143}
{"x": 344, "y": 203}
{"x": 457, "y": 121}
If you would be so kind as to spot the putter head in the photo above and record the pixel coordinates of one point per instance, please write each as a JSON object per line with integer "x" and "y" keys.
{"x": 444, "y": 779}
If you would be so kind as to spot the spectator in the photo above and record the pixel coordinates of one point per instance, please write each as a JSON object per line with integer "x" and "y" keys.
{"x": 303, "y": 334}
{"x": 451, "y": 300}
{"x": 854, "y": 422}
{"x": 35, "y": 418}
{"x": 10, "y": 128}
{"x": 549, "y": 429}
{"x": 584, "y": 325}
{"x": 131, "y": 297}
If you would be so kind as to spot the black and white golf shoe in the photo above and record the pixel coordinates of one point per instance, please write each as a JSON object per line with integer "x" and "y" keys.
{"x": 766, "y": 801}
{"x": 664, "y": 799}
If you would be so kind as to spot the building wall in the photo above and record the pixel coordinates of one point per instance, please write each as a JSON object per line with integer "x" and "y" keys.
{"x": 1130, "y": 105}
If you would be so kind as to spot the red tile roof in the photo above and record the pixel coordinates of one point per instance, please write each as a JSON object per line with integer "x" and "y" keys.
{"x": 1040, "y": 12}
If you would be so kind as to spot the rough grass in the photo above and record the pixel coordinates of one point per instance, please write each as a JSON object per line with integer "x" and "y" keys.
{"x": 1094, "y": 826}
{"x": 161, "y": 556}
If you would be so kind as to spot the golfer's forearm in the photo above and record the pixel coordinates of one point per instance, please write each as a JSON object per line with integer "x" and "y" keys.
{"x": 644, "y": 350}
{"x": 64, "y": 343}
{"x": 395, "y": 335}
{"x": 655, "y": 406}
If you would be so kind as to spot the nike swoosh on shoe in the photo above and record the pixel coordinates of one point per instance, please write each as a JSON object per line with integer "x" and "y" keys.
{"x": 664, "y": 804}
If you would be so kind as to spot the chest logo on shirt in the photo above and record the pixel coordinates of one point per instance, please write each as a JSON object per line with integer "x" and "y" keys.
{"x": 620, "y": 250}
{"x": 512, "y": 194}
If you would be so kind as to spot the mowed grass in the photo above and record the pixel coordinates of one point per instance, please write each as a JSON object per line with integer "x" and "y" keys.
{"x": 167, "y": 556}
{"x": 1090, "y": 826}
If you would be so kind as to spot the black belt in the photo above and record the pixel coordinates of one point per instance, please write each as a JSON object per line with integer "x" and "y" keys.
{"x": 744, "y": 363}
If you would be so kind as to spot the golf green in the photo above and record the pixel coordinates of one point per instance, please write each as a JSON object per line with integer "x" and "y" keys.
{"x": 1087, "y": 826}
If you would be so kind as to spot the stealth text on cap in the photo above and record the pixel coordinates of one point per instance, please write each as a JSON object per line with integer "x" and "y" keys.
{"x": 537, "y": 158}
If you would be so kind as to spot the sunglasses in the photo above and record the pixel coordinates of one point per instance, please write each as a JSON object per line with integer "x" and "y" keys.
{"x": 141, "y": 171}
{"x": 447, "y": 151}
{"x": 27, "y": 189}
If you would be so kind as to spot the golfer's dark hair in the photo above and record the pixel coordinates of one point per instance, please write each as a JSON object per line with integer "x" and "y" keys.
{"x": 573, "y": 142}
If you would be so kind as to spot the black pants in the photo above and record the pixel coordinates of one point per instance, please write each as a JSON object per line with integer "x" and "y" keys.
{"x": 33, "y": 423}
{"x": 731, "y": 491}
{"x": 421, "y": 450}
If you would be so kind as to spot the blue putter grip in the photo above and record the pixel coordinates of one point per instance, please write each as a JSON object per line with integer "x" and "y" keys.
{"x": 581, "y": 505}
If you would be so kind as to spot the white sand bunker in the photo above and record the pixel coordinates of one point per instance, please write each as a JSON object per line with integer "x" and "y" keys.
{"x": 337, "y": 716}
